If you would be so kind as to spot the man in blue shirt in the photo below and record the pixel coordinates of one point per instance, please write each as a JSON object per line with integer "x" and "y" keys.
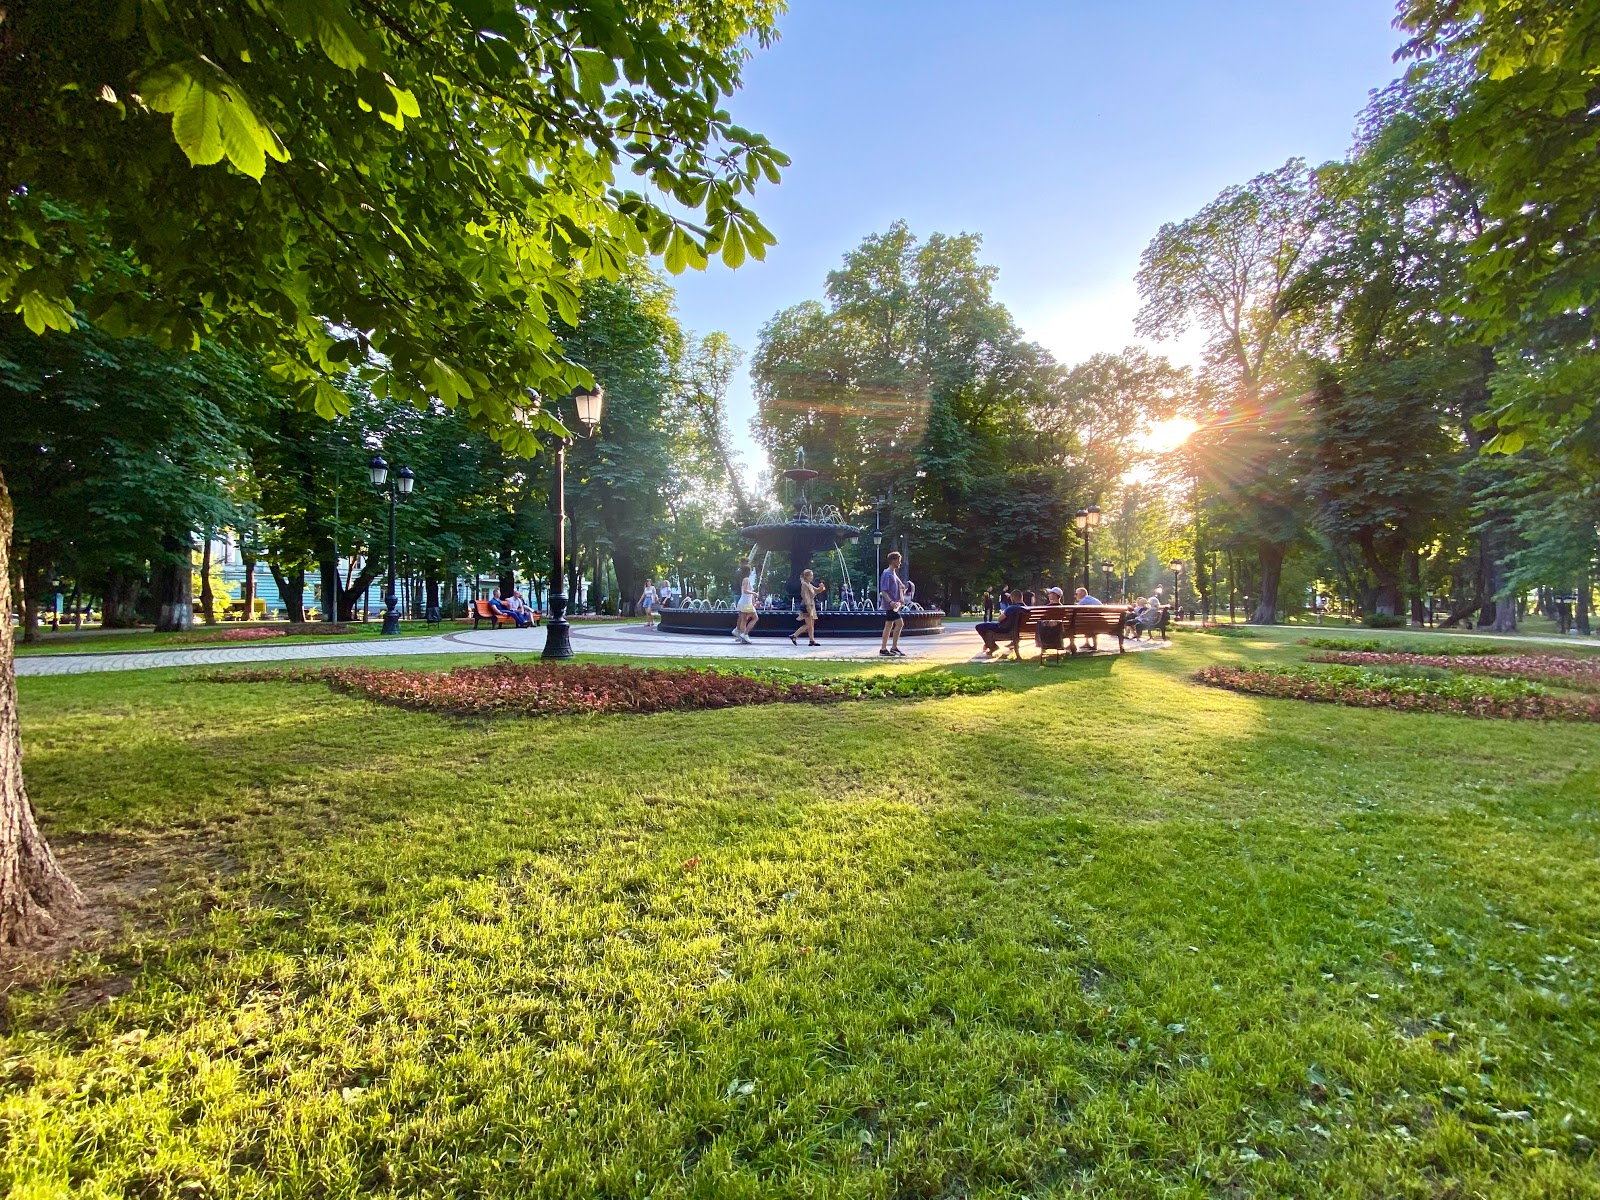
{"x": 892, "y": 595}
{"x": 1081, "y": 596}
{"x": 1011, "y": 618}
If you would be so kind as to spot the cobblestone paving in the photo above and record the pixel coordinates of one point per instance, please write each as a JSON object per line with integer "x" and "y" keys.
{"x": 631, "y": 640}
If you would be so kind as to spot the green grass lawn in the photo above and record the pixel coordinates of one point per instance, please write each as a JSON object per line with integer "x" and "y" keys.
{"x": 1104, "y": 933}
{"x": 67, "y": 641}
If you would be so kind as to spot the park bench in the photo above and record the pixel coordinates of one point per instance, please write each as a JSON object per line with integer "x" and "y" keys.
{"x": 1075, "y": 621}
{"x": 479, "y": 611}
{"x": 1159, "y": 627}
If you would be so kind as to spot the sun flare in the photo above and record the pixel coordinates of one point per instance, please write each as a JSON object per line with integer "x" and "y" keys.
{"x": 1165, "y": 436}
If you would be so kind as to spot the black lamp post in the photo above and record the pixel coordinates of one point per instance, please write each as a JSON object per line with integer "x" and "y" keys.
{"x": 399, "y": 486}
{"x": 1087, "y": 520}
{"x": 558, "y": 633}
{"x": 1105, "y": 569}
{"x": 1177, "y": 574}
{"x": 877, "y": 542}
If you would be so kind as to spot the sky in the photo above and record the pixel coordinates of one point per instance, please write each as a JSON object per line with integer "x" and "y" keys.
{"x": 1064, "y": 133}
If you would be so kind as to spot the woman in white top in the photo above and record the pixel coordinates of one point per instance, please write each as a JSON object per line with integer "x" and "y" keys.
{"x": 746, "y": 620}
{"x": 647, "y": 605}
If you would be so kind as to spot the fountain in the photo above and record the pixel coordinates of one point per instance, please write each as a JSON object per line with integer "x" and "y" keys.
{"x": 841, "y": 611}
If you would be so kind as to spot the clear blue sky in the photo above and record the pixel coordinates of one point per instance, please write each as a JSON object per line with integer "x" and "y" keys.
{"x": 1065, "y": 133}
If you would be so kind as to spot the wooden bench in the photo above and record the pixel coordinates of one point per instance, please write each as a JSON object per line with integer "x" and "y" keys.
{"x": 1159, "y": 627}
{"x": 1077, "y": 621}
{"x": 480, "y": 611}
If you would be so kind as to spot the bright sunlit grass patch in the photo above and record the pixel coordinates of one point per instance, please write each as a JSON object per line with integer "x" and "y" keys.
{"x": 1102, "y": 931}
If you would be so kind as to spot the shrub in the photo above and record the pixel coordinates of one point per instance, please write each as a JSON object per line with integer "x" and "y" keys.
{"x": 1229, "y": 631}
{"x": 1461, "y": 695}
{"x": 1383, "y": 621}
{"x": 544, "y": 689}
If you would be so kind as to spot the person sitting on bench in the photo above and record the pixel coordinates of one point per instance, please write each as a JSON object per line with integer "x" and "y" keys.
{"x": 1007, "y": 627}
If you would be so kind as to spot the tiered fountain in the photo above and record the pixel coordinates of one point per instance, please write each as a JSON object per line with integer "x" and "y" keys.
{"x": 842, "y": 611}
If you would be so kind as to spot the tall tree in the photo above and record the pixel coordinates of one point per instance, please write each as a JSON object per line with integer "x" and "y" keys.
{"x": 413, "y": 188}
{"x": 1235, "y": 270}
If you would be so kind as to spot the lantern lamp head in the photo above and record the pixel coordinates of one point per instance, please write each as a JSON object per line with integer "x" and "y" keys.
{"x": 1081, "y": 518}
{"x": 590, "y": 402}
{"x": 379, "y": 470}
{"x": 1093, "y": 515}
{"x": 405, "y": 478}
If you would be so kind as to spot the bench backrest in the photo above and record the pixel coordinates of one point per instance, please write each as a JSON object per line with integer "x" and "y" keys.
{"x": 481, "y": 607}
{"x": 1078, "y": 618}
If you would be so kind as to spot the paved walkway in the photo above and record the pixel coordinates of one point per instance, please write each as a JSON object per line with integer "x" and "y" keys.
{"x": 632, "y": 640}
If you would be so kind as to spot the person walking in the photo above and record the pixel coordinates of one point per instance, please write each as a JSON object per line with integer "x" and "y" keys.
{"x": 647, "y": 605}
{"x": 892, "y": 597}
{"x": 746, "y": 620}
{"x": 808, "y": 609}
{"x": 988, "y": 605}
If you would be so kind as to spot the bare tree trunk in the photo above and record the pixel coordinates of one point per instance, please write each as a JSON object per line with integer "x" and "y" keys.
{"x": 1271, "y": 555}
{"x": 119, "y": 607}
{"x": 34, "y": 890}
{"x": 173, "y": 584}
{"x": 291, "y": 590}
{"x": 247, "y": 590}
{"x": 208, "y": 602}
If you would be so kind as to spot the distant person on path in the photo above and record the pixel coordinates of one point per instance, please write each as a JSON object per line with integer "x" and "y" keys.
{"x": 892, "y": 597}
{"x": 746, "y": 620}
{"x": 664, "y": 593}
{"x": 647, "y": 604}
{"x": 988, "y": 604}
{"x": 1005, "y": 629}
{"x": 808, "y": 609}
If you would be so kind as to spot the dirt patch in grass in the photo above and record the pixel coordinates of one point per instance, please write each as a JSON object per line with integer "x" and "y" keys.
{"x": 129, "y": 886}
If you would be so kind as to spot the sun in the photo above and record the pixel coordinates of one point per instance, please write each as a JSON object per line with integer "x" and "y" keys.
{"x": 1163, "y": 437}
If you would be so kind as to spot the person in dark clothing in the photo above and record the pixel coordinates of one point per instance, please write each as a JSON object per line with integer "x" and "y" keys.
{"x": 988, "y": 605}
{"x": 1005, "y": 629}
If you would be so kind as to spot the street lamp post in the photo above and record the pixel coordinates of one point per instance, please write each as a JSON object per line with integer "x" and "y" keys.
{"x": 1087, "y": 521}
{"x": 399, "y": 486}
{"x": 558, "y": 633}
{"x": 1105, "y": 569}
{"x": 877, "y": 542}
{"x": 1177, "y": 574}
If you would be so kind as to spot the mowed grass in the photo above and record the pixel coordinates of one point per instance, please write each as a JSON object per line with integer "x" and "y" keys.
{"x": 1107, "y": 932}
{"x": 94, "y": 641}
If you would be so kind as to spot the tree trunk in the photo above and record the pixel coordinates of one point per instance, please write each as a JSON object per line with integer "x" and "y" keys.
{"x": 172, "y": 582}
{"x": 291, "y": 589}
{"x": 247, "y": 590}
{"x": 208, "y": 602}
{"x": 119, "y": 606}
{"x": 1419, "y": 610}
{"x": 1271, "y": 555}
{"x": 1383, "y": 561}
{"x": 1583, "y": 602}
{"x": 32, "y": 578}
{"x": 34, "y": 890}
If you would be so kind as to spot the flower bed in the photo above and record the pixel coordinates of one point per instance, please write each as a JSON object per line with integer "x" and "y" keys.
{"x": 1373, "y": 645}
{"x": 545, "y": 689}
{"x": 242, "y": 633}
{"x": 1580, "y": 674}
{"x": 1464, "y": 695}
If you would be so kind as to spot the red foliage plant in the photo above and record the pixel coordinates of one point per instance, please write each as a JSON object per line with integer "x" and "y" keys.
{"x": 1581, "y": 674}
{"x": 510, "y": 688}
{"x": 1286, "y": 686}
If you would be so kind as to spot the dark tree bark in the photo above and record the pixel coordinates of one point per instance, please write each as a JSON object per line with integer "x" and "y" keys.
{"x": 1382, "y": 556}
{"x": 328, "y": 568}
{"x": 33, "y": 576}
{"x": 34, "y": 891}
{"x": 247, "y": 591}
{"x": 208, "y": 602}
{"x": 1582, "y": 614}
{"x": 1271, "y": 555}
{"x": 1419, "y": 610}
{"x": 119, "y": 606}
{"x": 292, "y": 590}
{"x": 172, "y": 584}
